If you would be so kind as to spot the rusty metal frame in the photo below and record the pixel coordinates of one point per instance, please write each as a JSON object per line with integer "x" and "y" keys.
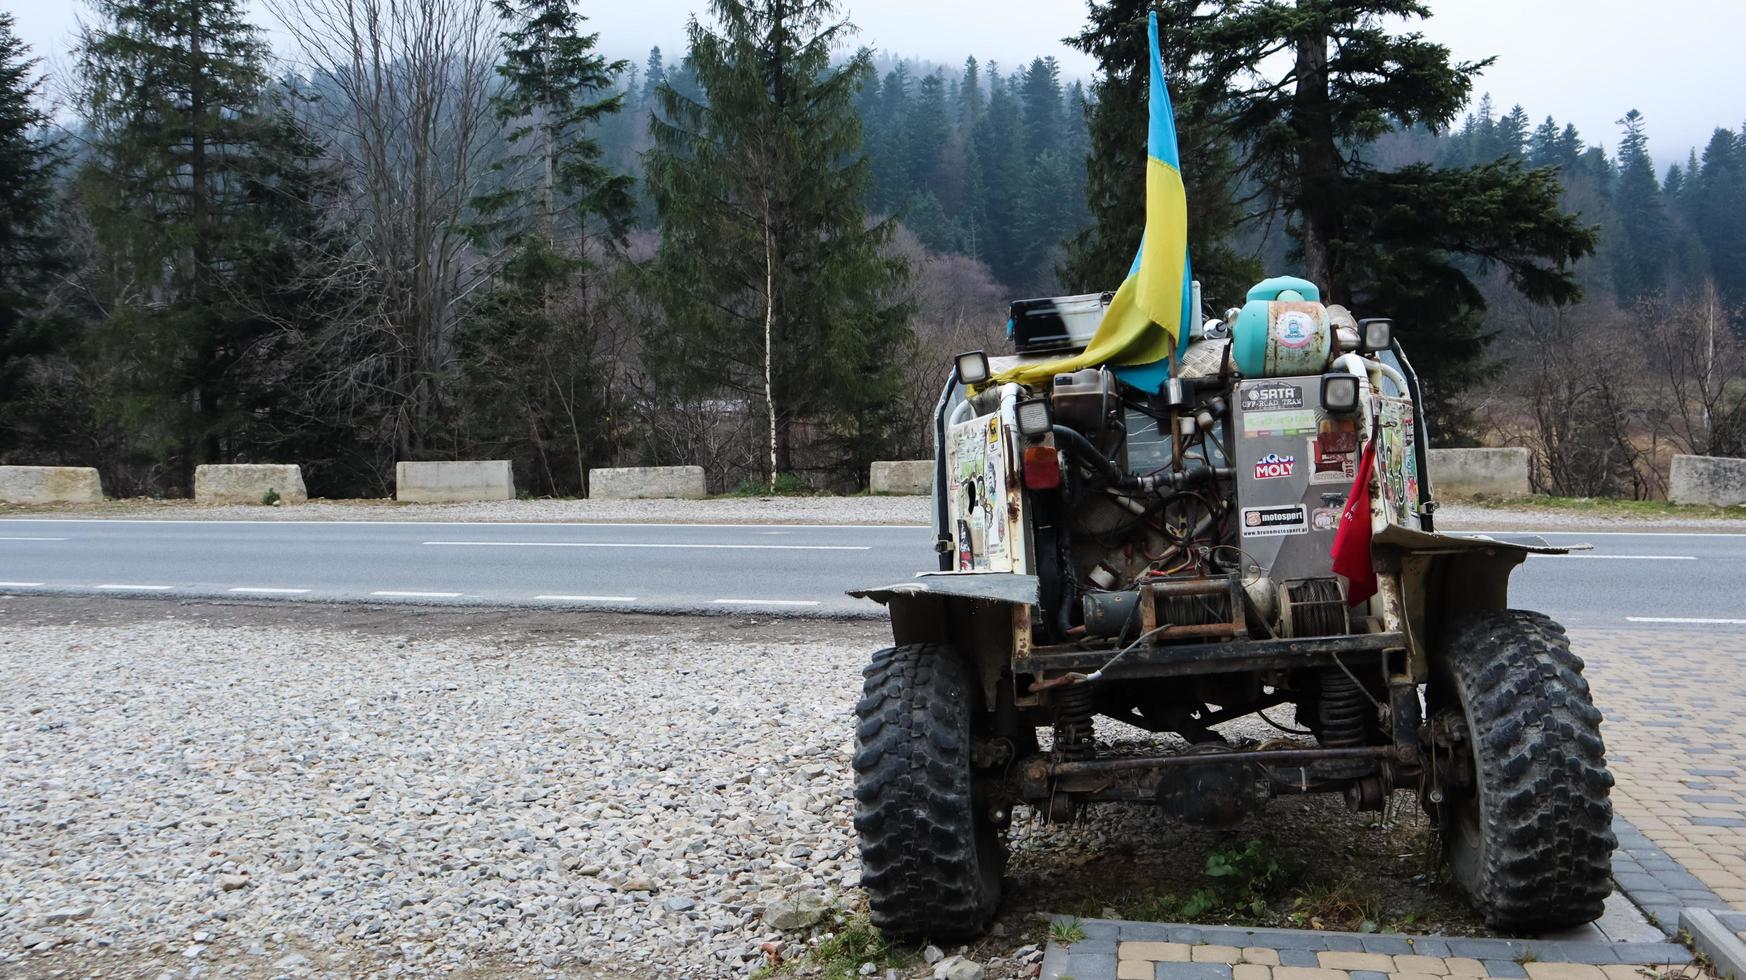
{"x": 1180, "y": 660}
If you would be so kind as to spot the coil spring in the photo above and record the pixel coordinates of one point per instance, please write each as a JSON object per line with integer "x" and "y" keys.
{"x": 1074, "y": 728}
{"x": 1344, "y": 708}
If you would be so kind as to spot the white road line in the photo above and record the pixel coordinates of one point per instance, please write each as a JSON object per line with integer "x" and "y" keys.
{"x": 1626, "y": 557}
{"x": 1685, "y": 619}
{"x": 20, "y": 585}
{"x": 136, "y": 588}
{"x": 636, "y": 544}
{"x": 12, "y": 538}
{"x": 251, "y": 590}
{"x": 418, "y": 595}
{"x": 764, "y": 602}
{"x": 1609, "y": 534}
{"x": 586, "y": 598}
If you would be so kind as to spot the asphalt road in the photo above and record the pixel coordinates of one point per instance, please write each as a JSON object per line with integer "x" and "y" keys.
{"x": 1628, "y": 580}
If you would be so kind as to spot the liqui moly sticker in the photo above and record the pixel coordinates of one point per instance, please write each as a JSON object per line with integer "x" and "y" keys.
{"x": 1274, "y": 466}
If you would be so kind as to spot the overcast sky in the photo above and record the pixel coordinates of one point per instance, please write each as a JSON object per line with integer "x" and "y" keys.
{"x": 1584, "y": 61}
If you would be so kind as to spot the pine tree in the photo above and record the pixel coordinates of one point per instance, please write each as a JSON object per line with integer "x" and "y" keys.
{"x": 970, "y": 103}
{"x": 1394, "y": 242}
{"x": 1000, "y": 148}
{"x": 557, "y": 209}
{"x": 1041, "y": 95}
{"x": 189, "y": 179}
{"x": 1099, "y": 257}
{"x": 1642, "y": 271}
{"x": 28, "y": 253}
{"x": 1716, "y": 205}
{"x": 770, "y": 276}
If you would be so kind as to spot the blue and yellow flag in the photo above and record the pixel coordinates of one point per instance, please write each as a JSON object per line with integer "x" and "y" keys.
{"x": 1147, "y": 320}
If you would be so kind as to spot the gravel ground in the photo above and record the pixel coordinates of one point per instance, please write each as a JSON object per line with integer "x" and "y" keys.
{"x": 259, "y": 789}
{"x": 266, "y": 799}
{"x": 760, "y": 510}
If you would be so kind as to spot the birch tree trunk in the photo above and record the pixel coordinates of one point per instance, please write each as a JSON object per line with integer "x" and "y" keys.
{"x": 770, "y": 332}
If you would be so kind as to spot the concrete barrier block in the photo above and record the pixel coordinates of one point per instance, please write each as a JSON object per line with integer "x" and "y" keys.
{"x": 456, "y": 482}
{"x": 248, "y": 483}
{"x": 1474, "y": 472}
{"x": 632, "y": 482}
{"x": 50, "y": 485}
{"x": 1719, "y": 481}
{"x": 905, "y": 476}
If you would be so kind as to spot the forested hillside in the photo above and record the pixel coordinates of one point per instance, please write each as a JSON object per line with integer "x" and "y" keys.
{"x": 466, "y": 232}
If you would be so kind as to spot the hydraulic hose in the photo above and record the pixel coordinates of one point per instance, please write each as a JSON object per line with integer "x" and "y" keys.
{"x": 1085, "y": 452}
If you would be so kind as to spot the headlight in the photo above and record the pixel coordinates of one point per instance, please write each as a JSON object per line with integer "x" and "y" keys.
{"x": 973, "y": 367}
{"x": 1376, "y": 334}
{"x": 1340, "y": 393}
{"x": 1034, "y": 417}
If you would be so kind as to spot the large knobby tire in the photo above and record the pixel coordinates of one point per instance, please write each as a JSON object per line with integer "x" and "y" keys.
{"x": 930, "y": 860}
{"x": 1530, "y": 836}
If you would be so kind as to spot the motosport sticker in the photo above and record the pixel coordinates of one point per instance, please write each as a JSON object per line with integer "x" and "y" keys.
{"x": 1274, "y": 466}
{"x": 1266, "y": 396}
{"x": 1273, "y": 522}
{"x": 1289, "y": 422}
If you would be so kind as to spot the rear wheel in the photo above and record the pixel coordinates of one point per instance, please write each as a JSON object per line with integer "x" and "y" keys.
{"x": 1521, "y": 768}
{"x": 931, "y": 858}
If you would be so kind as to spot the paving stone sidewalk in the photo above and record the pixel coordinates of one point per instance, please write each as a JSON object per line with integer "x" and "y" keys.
{"x": 1675, "y": 707}
{"x": 1113, "y": 950}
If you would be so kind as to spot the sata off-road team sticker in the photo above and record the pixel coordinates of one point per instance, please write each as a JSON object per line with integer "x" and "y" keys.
{"x": 1272, "y": 522}
{"x": 1268, "y": 396}
{"x": 1274, "y": 466}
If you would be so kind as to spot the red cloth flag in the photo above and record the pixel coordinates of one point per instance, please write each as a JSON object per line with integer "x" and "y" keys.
{"x": 1352, "y": 538}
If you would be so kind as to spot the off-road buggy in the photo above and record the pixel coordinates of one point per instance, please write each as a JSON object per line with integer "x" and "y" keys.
{"x": 1163, "y": 554}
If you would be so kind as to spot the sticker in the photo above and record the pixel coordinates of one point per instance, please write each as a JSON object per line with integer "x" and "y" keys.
{"x": 1325, "y": 519}
{"x": 1273, "y": 522}
{"x": 1294, "y": 329}
{"x": 1333, "y": 469}
{"x": 1291, "y": 422}
{"x": 1267, "y": 395}
{"x": 1274, "y": 466}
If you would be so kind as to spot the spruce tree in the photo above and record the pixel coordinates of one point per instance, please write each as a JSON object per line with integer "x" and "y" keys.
{"x": 557, "y": 210}
{"x": 1115, "y": 172}
{"x": 1642, "y": 270}
{"x": 28, "y": 254}
{"x": 192, "y": 175}
{"x": 770, "y": 278}
{"x": 1400, "y": 242}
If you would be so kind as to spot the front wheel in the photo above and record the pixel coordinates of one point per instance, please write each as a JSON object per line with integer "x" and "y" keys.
{"x": 931, "y": 859}
{"x": 1521, "y": 768}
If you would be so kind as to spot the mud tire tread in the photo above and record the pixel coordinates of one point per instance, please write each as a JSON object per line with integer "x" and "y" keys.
{"x": 1545, "y": 813}
{"x": 931, "y": 868}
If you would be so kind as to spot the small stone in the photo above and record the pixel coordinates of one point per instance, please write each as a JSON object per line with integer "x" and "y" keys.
{"x": 70, "y": 914}
{"x": 803, "y": 910}
{"x": 231, "y": 883}
{"x": 291, "y": 961}
{"x": 869, "y": 968}
{"x": 679, "y": 903}
{"x": 958, "y": 968}
{"x": 637, "y": 885}
{"x": 933, "y": 954}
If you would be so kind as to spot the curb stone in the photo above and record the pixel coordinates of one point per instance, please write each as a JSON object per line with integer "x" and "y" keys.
{"x": 1655, "y": 882}
{"x": 1721, "y": 937}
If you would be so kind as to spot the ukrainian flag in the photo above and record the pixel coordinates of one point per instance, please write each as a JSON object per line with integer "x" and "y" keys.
{"x": 1147, "y": 320}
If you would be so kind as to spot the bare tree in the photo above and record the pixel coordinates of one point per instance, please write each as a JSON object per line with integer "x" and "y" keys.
{"x": 407, "y": 87}
{"x": 958, "y": 307}
{"x": 1701, "y": 366}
